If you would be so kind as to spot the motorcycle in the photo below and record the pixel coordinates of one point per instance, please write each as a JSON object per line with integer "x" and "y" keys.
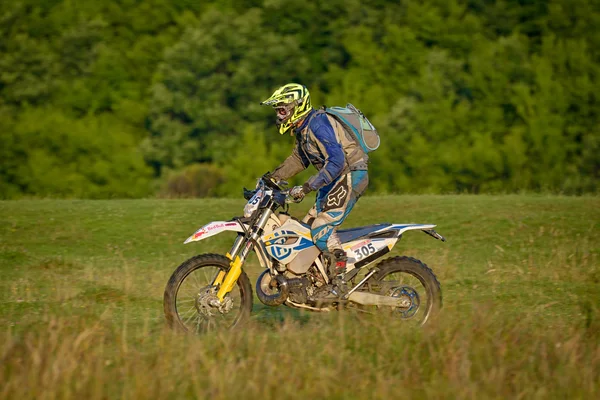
{"x": 212, "y": 291}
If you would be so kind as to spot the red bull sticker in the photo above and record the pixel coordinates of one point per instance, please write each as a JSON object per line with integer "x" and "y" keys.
{"x": 209, "y": 228}
{"x": 215, "y": 226}
{"x": 199, "y": 233}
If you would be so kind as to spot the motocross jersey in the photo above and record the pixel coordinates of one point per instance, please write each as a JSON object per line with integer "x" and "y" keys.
{"x": 323, "y": 142}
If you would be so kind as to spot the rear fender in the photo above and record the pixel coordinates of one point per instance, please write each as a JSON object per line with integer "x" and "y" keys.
{"x": 401, "y": 228}
{"x": 365, "y": 250}
{"x": 427, "y": 228}
{"x": 214, "y": 228}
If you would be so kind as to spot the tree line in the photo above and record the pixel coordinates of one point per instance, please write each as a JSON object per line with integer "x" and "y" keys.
{"x": 132, "y": 98}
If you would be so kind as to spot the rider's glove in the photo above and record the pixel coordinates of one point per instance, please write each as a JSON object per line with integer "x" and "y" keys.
{"x": 298, "y": 192}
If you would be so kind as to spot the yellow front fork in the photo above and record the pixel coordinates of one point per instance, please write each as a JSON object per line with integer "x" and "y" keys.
{"x": 219, "y": 279}
{"x": 235, "y": 270}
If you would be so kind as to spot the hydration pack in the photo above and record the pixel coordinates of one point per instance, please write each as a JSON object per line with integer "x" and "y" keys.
{"x": 355, "y": 123}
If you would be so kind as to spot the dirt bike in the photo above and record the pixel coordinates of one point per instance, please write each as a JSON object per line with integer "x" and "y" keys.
{"x": 211, "y": 291}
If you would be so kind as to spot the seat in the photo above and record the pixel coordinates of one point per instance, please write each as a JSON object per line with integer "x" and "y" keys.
{"x": 348, "y": 235}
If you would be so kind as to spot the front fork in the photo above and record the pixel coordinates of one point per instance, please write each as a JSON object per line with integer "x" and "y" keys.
{"x": 240, "y": 250}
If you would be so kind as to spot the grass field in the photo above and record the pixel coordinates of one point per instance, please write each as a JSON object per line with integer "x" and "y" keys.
{"x": 81, "y": 306}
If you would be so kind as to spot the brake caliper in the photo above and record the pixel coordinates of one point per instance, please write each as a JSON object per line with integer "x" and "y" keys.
{"x": 207, "y": 301}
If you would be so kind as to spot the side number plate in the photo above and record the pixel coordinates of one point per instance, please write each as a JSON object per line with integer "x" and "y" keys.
{"x": 364, "y": 251}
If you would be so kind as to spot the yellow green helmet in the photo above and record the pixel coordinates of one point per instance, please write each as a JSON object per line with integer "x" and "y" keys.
{"x": 292, "y": 102}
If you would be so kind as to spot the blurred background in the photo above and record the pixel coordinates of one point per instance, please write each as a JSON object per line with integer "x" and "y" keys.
{"x": 143, "y": 98}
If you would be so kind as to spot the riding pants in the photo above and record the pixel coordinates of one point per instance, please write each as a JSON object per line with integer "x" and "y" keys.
{"x": 334, "y": 203}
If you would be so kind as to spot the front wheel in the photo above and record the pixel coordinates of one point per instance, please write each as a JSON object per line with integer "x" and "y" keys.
{"x": 414, "y": 283}
{"x": 190, "y": 294}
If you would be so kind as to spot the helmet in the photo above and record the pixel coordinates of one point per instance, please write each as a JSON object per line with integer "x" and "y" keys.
{"x": 292, "y": 102}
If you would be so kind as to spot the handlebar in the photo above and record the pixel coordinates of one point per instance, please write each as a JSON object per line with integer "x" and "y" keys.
{"x": 272, "y": 183}
{"x": 276, "y": 186}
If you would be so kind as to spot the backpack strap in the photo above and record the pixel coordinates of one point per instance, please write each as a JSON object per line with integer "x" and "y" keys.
{"x": 308, "y": 127}
{"x": 319, "y": 111}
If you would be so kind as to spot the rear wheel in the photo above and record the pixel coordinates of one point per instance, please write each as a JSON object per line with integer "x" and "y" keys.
{"x": 189, "y": 297}
{"x": 414, "y": 283}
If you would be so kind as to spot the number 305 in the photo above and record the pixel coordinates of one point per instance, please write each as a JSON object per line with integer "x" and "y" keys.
{"x": 364, "y": 251}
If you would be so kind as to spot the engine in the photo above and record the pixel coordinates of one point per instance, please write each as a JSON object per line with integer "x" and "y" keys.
{"x": 302, "y": 289}
{"x": 299, "y": 289}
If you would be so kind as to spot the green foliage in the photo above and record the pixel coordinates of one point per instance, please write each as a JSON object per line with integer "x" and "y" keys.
{"x": 469, "y": 95}
{"x": 50, "y": 154}
{"x": 246, "y": 163}
{"x": 195, "y": 180}
{"x": 206, "y": 87}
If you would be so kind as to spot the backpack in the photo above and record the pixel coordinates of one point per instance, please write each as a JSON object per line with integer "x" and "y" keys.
{"x": 355, "y": 122}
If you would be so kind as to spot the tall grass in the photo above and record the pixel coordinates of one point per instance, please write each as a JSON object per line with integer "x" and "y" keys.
{"x": 335, "y": 356}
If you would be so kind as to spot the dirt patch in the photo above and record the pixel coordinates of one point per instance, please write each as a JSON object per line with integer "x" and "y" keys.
{"x": 57, "y": 265}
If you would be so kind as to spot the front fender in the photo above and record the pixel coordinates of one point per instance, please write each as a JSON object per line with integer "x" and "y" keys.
{"x": 214, "y": 228}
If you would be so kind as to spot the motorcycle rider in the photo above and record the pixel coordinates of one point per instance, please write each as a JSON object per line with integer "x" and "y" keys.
{"x": 341, "y": 163}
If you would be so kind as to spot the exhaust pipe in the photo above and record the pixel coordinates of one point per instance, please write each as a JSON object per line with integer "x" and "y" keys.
{"x": 263, "y": 284}
{"x": 370, "y": 299}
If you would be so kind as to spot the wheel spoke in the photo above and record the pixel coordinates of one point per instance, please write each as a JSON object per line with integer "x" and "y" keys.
{"x": 206, "y": 276}
{"x": 198, "y": 323}
{"x": 191, "y": 310}
{"x": 198, "y": 283}
{"x": 189, "y": 292}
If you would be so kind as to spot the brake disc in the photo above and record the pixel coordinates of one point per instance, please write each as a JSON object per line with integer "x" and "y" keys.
{"x": 409, "y": 300}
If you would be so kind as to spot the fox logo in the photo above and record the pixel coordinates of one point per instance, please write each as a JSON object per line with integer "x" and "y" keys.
{"x": 336, "y": 197}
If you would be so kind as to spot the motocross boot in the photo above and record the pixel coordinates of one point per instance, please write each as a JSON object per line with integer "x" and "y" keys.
{"x": 337, "y": 260}
{"x": 337, "y": 265}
